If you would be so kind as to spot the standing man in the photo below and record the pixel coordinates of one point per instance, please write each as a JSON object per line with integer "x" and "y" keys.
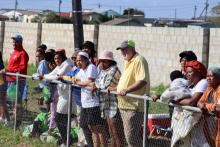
{"x": 18, "y": 62}
{"x": 135, "y": 80}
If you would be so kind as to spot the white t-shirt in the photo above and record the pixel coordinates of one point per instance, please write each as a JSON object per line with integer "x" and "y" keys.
{"x": 88, "y": 99}
{"x": 201, "y": 86}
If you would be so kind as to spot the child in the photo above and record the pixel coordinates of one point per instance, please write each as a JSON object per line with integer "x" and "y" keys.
{"x": 42, "y": 68}
{"x": 178, "y": 88}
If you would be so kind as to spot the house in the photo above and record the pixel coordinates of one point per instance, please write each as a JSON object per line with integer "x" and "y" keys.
{"x": 3, "y": 18}
{"x": 65, "y": 14}
{"x": 91, "y": 16}
{"x": 110, "y": 13}
{"x": 20, "y": 15}
{"x": 124, "y": 22}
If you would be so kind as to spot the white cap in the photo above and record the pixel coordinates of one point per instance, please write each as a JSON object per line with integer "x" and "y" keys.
{"x": 84, "y": 54}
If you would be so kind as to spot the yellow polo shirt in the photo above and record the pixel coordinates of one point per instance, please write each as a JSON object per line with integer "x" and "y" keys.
{"x": 135, "y": 70}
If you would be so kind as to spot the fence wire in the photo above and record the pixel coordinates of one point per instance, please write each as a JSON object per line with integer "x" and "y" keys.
{"x": 37, "y": 121}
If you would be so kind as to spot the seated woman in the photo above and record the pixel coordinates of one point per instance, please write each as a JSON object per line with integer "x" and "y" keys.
{"x": 210, "y": 101}
{"x": 185, "y": 123}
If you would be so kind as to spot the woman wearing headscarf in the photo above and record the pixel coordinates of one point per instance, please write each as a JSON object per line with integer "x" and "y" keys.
{"x": 196, "y": 74}
{"x": 186, "y": 124}
{"x": 210, "y": 102}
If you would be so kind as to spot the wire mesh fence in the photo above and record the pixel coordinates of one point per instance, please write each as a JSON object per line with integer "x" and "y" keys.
{"x": 38, "y": 116}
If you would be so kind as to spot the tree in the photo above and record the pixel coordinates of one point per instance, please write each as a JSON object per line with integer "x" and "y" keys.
{"x": 132, "y": 11}
{"x": 216, "y": 9}
{"x": 215, "y": 21}
{"x": 104, "y": 18}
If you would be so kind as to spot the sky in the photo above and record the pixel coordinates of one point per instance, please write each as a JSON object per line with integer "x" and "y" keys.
{"x": 152, "y": 8}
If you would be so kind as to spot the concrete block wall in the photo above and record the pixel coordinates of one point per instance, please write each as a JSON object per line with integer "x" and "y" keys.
{"x": 2, "y": 31}
{"x": 214, "y": 47}
{"x": 160, "y": 46}
{"x": 61, "y": 36}
{"x": 29, "y": 33}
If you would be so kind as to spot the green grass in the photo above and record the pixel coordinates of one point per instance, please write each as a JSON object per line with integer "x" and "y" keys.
{"x": 154, "y": 107}
{"x": 7, "y": 137}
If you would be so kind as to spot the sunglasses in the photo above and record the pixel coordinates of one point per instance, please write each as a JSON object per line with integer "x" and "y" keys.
{"x": 73, "y": 58}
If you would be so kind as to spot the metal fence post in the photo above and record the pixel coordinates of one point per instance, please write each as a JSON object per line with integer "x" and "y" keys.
{"x": 16, "y": 102}
{"x": 146, "y": 105}
{"x": 69, "y": 114}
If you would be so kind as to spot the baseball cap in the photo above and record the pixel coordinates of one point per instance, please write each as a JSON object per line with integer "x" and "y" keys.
{"x": 17, "y": 38}
{"x": 125, "y": 44}
{"x": 189, "y": 55}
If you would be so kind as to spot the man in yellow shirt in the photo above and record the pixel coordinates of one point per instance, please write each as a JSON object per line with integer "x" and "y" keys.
{"x": 135, "y": 80}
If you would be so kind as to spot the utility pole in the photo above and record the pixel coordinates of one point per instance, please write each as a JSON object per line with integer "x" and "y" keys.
{"x": 99, "y": 5}
{"x": 60, "y": 2}
{"x": 195, "y": 9}
{"x": 175, "y": 13}
{"x": 77, "y": 23}
{"x": 16, "y": 5}
{"x": 206, "y": 9}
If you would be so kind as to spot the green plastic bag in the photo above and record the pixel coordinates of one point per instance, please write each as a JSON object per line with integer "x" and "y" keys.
{"x": 46, "y": 94}
{"x": 11, "y": 92}
{"x": 74, "y": 132}
{"x": 43, "y": 118}
{"x": 27, "y": 131}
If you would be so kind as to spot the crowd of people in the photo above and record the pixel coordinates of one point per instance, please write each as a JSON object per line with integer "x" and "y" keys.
{"x": 117, "y": 118}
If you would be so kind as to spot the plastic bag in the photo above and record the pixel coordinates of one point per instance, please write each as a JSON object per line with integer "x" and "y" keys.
{"x": 46, "y": 94}
{"x": 11, "y": 92}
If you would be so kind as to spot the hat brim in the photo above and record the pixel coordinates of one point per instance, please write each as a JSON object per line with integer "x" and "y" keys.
{"x": 107, "y": 59}
{"x": 119, "y": 48}
{"x": 182, "y": 55}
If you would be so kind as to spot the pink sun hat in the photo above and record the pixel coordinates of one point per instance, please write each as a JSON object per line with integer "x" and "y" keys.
{"x": 106, "y": 55}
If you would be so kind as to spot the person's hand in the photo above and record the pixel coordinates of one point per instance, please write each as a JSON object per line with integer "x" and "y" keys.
{"x": 175, "y": 102}
{"x": 60, "y": 78}
{"x": 201, "y": 105}
{"x": 110, "y": 88}
{"x": 2, "y": 71}
{"x": 154, "y": 97}
{"x": 93, "y": 88}
{"x": 41, "y": 77}
{"x": 123, "y": 92}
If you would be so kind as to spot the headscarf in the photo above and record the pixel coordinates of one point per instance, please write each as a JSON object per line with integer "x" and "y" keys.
{"x": 197, "y": 66}
{"x": 215, "y": 70}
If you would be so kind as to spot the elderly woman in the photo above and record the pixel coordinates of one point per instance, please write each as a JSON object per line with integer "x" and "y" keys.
{"x": 108, "y": 79}
{"x": 186, "y": 124}
{"x": 210, "y": 101}
{"x": 90, "y": 116}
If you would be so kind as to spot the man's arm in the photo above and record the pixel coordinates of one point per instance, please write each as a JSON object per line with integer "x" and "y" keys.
{"x": 137, "y": 85}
